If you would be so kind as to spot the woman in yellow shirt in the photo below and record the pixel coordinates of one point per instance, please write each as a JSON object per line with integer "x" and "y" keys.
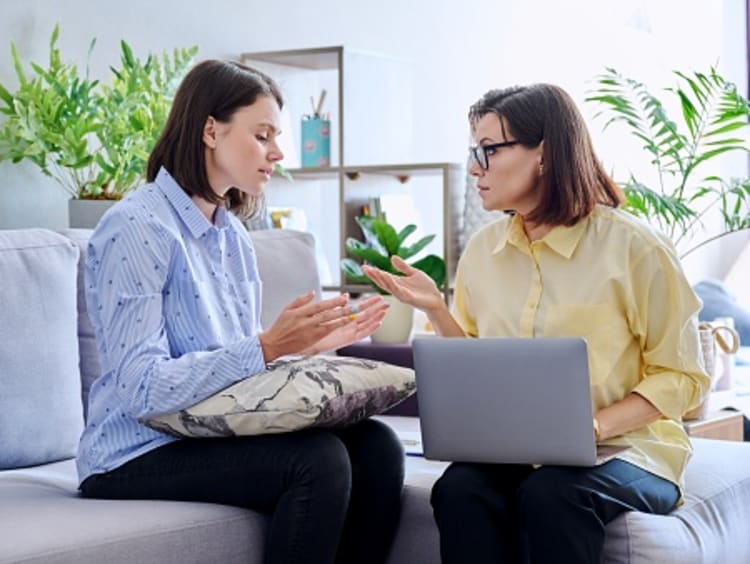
{"x": 566, "y": 262}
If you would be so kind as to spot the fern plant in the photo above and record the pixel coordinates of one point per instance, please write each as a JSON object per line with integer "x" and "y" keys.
{"x": 382, "y": 241}
{"x": 93, "y": 138}
{"x": 714, "y": 117}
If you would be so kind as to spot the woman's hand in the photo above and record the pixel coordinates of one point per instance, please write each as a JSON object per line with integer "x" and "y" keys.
{"x": 303, "y": 323}
{"x": 414, "y": 288}
{"x": 366, "y": 317}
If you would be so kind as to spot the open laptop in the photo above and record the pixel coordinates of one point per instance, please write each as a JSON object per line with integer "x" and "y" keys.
{"x": 507, "y": 400}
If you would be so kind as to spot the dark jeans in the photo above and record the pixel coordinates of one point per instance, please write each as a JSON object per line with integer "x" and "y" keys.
{"x": 556, "y": 514}
{"x": 332, "y": 495}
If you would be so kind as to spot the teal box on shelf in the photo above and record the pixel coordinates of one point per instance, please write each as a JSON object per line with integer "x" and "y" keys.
{"x": 316, "y": 142}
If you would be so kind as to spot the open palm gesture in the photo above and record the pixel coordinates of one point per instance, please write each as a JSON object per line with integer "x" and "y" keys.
{"x": 414, "y": 287}
{"x": 365, "y": 319}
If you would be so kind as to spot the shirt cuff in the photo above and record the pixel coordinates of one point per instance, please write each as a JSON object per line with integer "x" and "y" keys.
{"x": 671, "y": 393}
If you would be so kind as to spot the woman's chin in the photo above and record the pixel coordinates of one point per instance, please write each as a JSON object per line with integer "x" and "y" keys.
{"x": 253, "y": 190}
{"x": 487, "y": 205}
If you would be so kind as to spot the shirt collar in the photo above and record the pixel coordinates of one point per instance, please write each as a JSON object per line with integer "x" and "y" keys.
{"x": 513, "y": 234}
{"x": 186, "y": 208}
{"x": 561, "y": 239}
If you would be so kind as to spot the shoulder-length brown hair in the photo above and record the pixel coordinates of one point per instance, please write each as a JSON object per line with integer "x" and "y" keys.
{"x": 211, "y": 88}
{"x": 573, "y": 179}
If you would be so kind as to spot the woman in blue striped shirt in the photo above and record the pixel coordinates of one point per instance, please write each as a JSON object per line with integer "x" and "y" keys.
{"x": 174, "y": 296}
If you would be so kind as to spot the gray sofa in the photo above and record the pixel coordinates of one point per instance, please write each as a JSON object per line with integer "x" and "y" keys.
{"x": 47, "y": 362}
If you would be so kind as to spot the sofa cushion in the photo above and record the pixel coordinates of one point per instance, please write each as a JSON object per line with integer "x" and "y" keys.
{"x": 292, "y": 394}
{"x": 287, "y": 267}
{"x": 43, "y": 520}
{"x": 712, "y": 524}
{"x": 719, "y": 302}
{"x": 88, "y": 354}
{"x": 40, "y": 390}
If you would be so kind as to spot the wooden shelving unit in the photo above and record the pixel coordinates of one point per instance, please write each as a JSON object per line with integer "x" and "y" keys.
{"x": 366, "y": 151}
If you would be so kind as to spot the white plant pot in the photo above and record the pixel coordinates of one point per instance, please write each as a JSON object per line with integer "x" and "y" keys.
{"x": 86, "y": 213}
{"x": 397, "y": 323}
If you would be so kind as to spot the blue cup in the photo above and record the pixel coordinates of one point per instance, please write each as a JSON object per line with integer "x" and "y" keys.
{"x": 316, "y": 142}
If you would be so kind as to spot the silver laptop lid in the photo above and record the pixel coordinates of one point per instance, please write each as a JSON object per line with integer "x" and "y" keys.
{"x": 505, "y": 400}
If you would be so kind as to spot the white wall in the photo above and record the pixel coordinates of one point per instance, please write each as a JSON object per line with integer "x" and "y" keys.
{"x": 459, "y": 48}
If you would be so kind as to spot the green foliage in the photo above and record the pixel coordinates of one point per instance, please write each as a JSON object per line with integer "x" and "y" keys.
{"x": 93, "y": 138}
{"x": 713, "y": 117}
{"x": 383, "y": 242}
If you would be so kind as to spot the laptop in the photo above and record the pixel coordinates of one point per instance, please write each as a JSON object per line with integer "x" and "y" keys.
{"x": 507, "y": 400}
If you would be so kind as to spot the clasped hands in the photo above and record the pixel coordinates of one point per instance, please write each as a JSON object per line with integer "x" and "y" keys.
{"x": 306, "y": 326}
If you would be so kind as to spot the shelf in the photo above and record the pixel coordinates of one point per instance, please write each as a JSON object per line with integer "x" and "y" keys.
{"x": 351, "y": 288}
{"x": 365, "y": 288}
{"x": 320, "y": 58}
{"x": 399, "y": 170}
{"x": 369, "y": 99}
{"x": 315, "y": 173}
{"x": 415, "y": 169}
{"x": 406, "y": 169}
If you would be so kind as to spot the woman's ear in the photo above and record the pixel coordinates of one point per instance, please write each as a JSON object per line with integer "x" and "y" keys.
{"x": 209, "y": 133}
{"x": 540, "y": 158}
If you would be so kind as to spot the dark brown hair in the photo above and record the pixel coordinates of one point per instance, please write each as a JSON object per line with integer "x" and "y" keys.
{"x": 573, "y": 179}
{"x": 211, "y": 88}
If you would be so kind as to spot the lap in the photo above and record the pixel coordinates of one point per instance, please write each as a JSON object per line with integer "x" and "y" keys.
{"x": 248, "y": 471}
{"x": 618, "y": 483}
{"x": 623, "y": 485}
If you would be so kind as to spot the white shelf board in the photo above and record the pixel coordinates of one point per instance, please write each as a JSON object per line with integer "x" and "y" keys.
{"x": 320, "y": 58}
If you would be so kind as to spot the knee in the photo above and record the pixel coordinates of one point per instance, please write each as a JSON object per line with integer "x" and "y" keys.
{"x": 380, "y": 446}
{"x": 546, "y": 496}
{"x": 458, "y": 485}
{"x": 324, "y": 464}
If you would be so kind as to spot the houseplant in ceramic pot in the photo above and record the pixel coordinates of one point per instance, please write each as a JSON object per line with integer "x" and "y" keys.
{"x": 382, "y": 241}
{"x": 713, "y": 121}
{"x": 93, "y": 138}
{"x": 693, "y": 210}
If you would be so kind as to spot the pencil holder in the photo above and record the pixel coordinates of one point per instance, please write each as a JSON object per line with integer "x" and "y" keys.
{"x": 316, "y": 142}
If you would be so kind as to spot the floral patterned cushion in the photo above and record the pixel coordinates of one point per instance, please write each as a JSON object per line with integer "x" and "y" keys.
{"x": 294, "y": 393}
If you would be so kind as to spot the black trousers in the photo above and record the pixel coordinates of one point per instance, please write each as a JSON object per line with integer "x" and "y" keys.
{"x": 556, "y": 514}
{"x": 332, "y": 495}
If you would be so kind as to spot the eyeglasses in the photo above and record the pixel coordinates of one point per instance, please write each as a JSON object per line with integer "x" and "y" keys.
{"x": 481, "y": 153}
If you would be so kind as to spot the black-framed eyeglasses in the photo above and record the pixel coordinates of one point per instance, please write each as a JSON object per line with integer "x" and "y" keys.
{"x": 482, "y": 153}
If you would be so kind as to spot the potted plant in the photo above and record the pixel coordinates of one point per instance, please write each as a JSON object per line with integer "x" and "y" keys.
{"x": 382, "y": 241}
{"x": 713, "y": 115}
{"x": 92, "y": 137}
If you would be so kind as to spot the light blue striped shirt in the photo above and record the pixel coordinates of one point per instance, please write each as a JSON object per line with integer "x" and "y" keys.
{"x": 175, "y": 304}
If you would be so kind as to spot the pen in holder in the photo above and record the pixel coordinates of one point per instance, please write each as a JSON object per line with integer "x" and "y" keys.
{"x": 316, "y": 142}
{"x": 316, "y": 135}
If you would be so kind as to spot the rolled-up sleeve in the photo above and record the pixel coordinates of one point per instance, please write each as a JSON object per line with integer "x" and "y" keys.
{"x": 665, "y": 319}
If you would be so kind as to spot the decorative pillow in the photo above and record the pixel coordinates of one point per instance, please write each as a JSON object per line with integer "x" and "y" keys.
{"x": 294, "y": 393}
{"x": 41, "y": 418}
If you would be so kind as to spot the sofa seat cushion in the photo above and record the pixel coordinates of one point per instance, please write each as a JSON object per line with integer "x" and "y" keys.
{"x": 41, "y": 417}
{"x": 43, "y": 519}
{"x": 712, "y": 524}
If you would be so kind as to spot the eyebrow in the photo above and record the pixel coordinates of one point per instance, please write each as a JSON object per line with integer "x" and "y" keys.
{"x": 270, "y": 126}
{"x": 483, "y": 139}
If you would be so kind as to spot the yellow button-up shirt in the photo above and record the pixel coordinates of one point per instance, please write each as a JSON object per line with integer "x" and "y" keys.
{"x": 614, "y": 281}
